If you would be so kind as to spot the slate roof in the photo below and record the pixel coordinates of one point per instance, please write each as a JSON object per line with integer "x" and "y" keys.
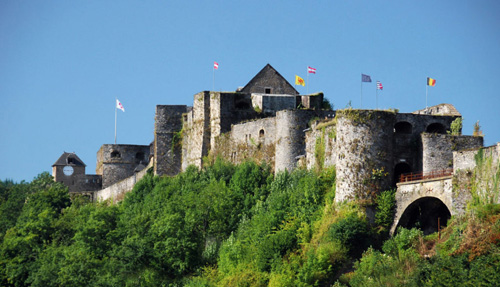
{"x": 280, "y": 84}
{"x": 69, "y": 158}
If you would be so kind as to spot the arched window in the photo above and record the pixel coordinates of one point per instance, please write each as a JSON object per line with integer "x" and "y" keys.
{"x": 403, "y": 128}
{"x": 115, "y": 154}
{"x": 261, "y": 133}
{"x": 436, "y": 128}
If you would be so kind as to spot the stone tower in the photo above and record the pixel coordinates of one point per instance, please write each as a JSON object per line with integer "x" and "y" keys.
{"x": 67, "y": 169}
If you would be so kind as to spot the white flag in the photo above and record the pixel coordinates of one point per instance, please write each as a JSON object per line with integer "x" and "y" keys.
{"x": 119, "y": 105}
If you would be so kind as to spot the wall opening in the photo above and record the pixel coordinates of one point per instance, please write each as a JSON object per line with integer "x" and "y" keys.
{"x": 267, "y": 90}
{"x": 115, "y": 154}
{"x": 139, "y": 156}
{"x": 436, "y": 128}
{"x": 399, "y": 169}
{"x": 424, "y": 214}
{"x": 261, "y": 133}
{"x": 403, "y": 128}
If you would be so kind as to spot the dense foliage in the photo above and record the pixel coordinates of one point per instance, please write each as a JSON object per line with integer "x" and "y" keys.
{"x": 232, "y": 225}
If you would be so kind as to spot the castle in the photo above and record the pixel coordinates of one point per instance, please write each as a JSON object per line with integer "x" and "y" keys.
{"x": 268, "y": 120}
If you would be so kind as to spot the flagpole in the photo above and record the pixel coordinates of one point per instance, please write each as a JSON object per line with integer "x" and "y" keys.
{"x": 426, "y": 91}
{"x": 213, "y": 78}
{"x": 307, "y": 84}
{"x": 115, "y": 119}
{"x": 376, "y": 93}
{"x": 361, "y": 97}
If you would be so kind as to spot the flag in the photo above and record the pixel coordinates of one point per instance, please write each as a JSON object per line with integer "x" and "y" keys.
{"x": 311, "y": 70}
{"x": 119, "y": 105}
{"x": 431, "y": 82}
{"x": 216, "y": 66}
{"x": 379, "y": 86}
{"x": 366, "y": 78}
{"x": 299, "y": 81}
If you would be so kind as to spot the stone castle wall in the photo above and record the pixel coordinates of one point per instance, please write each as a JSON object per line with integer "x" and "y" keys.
{"x": 117, "y": 191}
{"x": 438, "y": 149}
{"x": 291, "y": 126}
{"x": 272, "y": 103}
{"x": 116, "y": 162}
{"x": 196, "y": 131}
{"x": 320, "y": 141}
{"x": 364, "y": 144}
{"x": 168, "y": 139}
{"x": 469, "y": 178}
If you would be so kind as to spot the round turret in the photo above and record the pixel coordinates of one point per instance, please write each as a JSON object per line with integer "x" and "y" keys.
{"x": 364, "y": 150}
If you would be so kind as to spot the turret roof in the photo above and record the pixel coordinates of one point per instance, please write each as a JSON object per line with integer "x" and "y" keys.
{"x": 69, "y": 158}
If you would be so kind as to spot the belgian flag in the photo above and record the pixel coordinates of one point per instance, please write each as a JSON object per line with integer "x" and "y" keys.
{"x": 431, "y": 82}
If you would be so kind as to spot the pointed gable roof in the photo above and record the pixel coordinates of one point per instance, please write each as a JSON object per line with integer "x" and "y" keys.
{"x": 268, "y": 78}
{"x": 69, "y": 158}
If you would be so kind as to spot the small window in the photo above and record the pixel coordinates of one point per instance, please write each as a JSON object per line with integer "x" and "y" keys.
{"x": 261, "y": 133}
{"x": 267, "y": 90}
{"x": 115, "y": 154}
{"x": 71, "y": 160}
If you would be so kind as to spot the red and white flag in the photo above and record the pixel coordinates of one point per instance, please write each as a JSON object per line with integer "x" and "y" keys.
{"x": 311, "y": 70}
{"x": 119, "y": 105}
{"x": 379, "y": 86}
{"x": 216, "y": 66}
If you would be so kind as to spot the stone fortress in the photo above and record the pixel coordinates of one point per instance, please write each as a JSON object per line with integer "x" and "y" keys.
{"x": 268, "y": 120}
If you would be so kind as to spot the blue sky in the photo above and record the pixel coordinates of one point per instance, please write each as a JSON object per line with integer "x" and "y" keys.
{"x": 63, "y": 63}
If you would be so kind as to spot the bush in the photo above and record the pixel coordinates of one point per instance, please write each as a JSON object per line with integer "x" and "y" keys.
{"x": 386, "y": 202}
{"x": 352, "y": 232}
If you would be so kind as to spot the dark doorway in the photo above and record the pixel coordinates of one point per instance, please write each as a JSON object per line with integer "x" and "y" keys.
{"x": 399, "y": 169}
{"x": 424, "y": 214}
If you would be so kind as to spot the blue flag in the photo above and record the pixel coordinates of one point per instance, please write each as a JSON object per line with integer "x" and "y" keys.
{"x": 366, "y": 78}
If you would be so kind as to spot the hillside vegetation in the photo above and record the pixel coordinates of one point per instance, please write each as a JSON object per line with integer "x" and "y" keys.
{"x": 232, "y": 225}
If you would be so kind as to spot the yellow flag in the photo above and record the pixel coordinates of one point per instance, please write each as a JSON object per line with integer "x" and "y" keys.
{"x": 299, "y": 81}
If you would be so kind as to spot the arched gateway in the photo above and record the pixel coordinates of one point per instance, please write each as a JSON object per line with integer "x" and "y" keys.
{"x": 423, "y": 204}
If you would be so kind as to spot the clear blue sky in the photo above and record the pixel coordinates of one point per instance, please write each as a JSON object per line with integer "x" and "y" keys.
{"x": 62, "y": 63}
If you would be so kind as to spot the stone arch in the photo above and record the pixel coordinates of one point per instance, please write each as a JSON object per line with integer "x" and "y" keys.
{"x": 261, "y": 133}
{"x": 403, "y": 128}
{"x": 423, "y": 213}
{"x": 399, "y": 169}
{"x": 436, "y": 128}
